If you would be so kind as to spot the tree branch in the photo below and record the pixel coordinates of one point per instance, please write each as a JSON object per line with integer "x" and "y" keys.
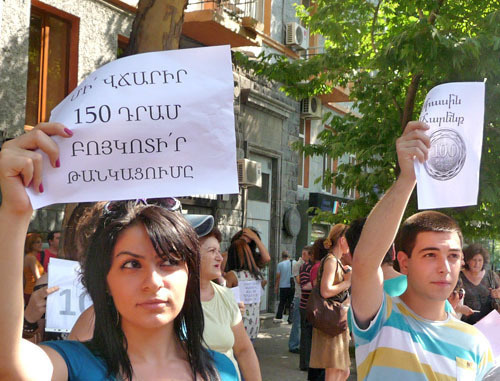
{"x": 398, "y": 107}
{"x": 410, "y": 100}
{"x": 374, "y": 21}
{"x": 434, "y": 13}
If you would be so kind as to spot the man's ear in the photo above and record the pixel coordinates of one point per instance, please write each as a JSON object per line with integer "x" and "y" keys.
{"x": 403, "y": 262}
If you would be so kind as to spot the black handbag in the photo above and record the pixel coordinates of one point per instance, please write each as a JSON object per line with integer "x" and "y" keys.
{"x": 327, "y": 315}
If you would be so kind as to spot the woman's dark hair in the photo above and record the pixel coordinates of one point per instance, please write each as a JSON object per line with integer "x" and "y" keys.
{"x": 251, "y": 244}
{"x": 173, "y": 239}
{"x": 79, "y": 229}
{"x": 318, "y": 249}
{"x": 472, "y": 250}
{"x": 240, "y": 257}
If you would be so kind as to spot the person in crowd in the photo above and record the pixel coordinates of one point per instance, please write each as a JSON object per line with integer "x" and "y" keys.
{"x": 240, "y": 267}
{"x": 140, "y": 269}
{"x": 52, "y": 251}
{"x": 294, "y": 339}
{"x": 482, "y": 290}
{"x": 412, "y": 336}
{"x": 34, "y": 313}
{"x": 305, "y": 291}
{"x": 259, "y": 251}
{"x": 319, "y": 252}
{"x": 224, "y": 331}
{"x": 79, "y": 228}
{"x": 283, "y": 287}
{"x": 333, "y": 280}
{"x": 456, "y": 299}
{"x": 32, "y": 269}
{"x": 394, "y": 282}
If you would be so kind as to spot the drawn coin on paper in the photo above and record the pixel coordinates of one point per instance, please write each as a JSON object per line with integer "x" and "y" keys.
{"x": 447, "y": 155}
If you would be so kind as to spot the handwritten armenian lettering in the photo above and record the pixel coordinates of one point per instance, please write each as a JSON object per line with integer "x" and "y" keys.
{"x": 160, "y": 123}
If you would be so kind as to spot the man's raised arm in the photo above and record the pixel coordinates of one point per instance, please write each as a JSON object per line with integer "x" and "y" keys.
{"x": 382, "y": 225}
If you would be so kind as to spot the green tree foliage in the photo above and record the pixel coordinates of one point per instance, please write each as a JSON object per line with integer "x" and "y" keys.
{"x": 393, "y": 53}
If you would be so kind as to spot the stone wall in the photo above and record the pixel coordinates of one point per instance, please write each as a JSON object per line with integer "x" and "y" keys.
{"x": 100, "y": 24}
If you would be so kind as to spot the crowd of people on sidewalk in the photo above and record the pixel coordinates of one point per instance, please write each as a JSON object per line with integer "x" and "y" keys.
{"x": 164, "y": 296}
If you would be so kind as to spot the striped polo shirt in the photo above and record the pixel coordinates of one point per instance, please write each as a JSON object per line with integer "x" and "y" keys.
{"x": 400, "y": 345}
{"x": 305, "y": 277}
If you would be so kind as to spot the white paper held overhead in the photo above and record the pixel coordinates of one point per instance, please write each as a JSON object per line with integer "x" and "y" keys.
{"x": 450, "y": 176}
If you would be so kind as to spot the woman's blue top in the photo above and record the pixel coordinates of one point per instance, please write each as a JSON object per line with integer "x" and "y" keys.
{"x": 84, "y": 365}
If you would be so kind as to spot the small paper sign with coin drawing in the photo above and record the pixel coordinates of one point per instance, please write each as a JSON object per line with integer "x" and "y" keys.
{"x": 450, "y": 176}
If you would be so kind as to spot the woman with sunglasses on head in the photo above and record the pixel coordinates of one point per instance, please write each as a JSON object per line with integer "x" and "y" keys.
{"x": 224, "y": 330}
{"x": 140, "y": 270}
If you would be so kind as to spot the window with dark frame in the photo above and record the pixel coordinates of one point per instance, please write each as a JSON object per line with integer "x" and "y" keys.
{"x": 50, "y": 75}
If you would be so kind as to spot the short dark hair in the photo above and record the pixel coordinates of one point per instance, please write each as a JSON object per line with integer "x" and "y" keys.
{"x": 318, "y": 249}
{"x": 50, "y": 235}
{"x": 353, "y": 233}
{"x": 472, "y": 250}
{"x": 173, "y": 238}
{"x": 427, "y": 221}
{"x": 284, "y": 254}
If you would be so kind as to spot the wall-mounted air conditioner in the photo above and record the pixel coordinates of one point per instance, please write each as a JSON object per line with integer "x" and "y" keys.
{"x": 310, "y": 108}
{"x": 297, "y": 36}
{"x": 249, "y": 173}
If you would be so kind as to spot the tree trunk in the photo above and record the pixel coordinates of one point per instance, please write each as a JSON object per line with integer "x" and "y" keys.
{"x": 157, "y": 26}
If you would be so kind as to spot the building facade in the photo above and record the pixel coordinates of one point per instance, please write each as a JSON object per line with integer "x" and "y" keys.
{"x": 47, "y": 47}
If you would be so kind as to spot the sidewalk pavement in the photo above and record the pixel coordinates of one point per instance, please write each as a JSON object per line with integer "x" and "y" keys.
{"x": 276, "y": 363}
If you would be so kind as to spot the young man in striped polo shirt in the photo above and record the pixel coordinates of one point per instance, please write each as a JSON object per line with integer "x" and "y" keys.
{"x": 412, "y": 337}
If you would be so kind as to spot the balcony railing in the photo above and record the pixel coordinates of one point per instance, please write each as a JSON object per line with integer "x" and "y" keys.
{"x": 236, "y": 8}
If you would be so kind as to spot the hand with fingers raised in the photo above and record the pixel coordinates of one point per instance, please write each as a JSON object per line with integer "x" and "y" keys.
{"x": 38, "y": 303}
{"x": 413, "y": 144}
{"x": 21, "y": 164}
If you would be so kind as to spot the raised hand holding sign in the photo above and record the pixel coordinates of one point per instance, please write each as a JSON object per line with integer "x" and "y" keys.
{"x": 149, "y": 125}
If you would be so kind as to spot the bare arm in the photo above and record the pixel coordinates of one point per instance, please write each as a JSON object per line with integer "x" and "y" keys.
{"x": 19, "y": 167}
{"x": 83, "y": 330}
{"x": 277, "y": 284}
{"x": 231, "y": 279}
{"x": 245, "y": 354}
{"x": 328, "y": 289}
{"x": 382, "y": 224}
{"x": 31, "y": 262}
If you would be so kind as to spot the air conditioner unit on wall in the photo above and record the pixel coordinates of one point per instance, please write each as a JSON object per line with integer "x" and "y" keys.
{"x": 297, "y": 36}
{"x": 310, "y": 108}
{"x": 249, "y": 173}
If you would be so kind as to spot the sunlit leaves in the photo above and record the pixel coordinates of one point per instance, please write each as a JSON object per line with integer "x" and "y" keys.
{"x": 379, "y": 46}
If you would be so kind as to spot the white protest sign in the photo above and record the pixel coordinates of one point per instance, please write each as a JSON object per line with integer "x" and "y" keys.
{"x": 250, "y": 291}
{"x": 488, "y": 325}
{"x": 236, "y": 293}
{"x": 450, "y": 176}
{"x": 65, "y": 305}
{"x": 148, "y": 125}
